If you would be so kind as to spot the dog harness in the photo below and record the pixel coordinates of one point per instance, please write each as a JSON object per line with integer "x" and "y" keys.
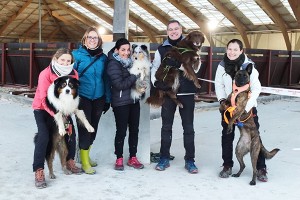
{"x": 229, "y": 111}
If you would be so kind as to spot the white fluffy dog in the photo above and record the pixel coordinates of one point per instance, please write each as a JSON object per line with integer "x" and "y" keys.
{"x": 141, "y": 68}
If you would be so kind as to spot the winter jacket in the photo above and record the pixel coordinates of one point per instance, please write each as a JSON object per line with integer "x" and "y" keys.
{"x": 46, "y": 78}
{"x": 223, "y": 84}
{"x": 94, "y": 82}
{"x": 186, "y": 86}
{"x": 121, "y": 82}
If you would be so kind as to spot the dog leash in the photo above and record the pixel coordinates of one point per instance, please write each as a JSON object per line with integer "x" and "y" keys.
{"x": 271, "y": 90}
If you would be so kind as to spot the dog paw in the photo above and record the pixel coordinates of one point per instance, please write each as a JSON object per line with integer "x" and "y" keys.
{"x": 66, "y": 171}
{"x": 90, "y": 129}
{"x": 52, "y": 176}
{"x": 62, "y": 132}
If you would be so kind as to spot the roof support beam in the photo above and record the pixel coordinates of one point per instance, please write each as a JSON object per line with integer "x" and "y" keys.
{"x": 75, "y": 14}
{"x": 228, "y": 14}
{"x": 267, "y": 7}
{"x": 148, "y": 29}
{"x": 202, "y": 25}
{"x": 12, "y": 18}
{"x": 295, "y": 5}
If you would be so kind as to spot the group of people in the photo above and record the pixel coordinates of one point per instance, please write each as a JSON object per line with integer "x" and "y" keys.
{"x": 105, "y": 82}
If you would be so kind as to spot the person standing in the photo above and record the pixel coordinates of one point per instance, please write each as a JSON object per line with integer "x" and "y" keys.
{"x": 223, "y": 85}
{"x": 126, "y": 110}
{"x": 187, "y": 91}
{"x": 94, "y": 91}
{"x": 61, "y": 65}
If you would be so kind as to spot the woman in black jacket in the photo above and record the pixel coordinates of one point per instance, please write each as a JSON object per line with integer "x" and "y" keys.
{"x": 126, "y": 110}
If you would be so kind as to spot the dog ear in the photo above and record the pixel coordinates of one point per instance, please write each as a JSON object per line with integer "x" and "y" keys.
{"x": 249, "y": 68}
{"x": 134, "y": 46}
{"x": 57, "y": 80}
{"x": 144, "y": 47}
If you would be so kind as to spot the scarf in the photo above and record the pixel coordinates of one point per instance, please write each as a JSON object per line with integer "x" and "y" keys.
{"x": 230, "y": 65}
{"x": 126, "y": 63}
{"x": 174, "y": 42}
{"x": 61, "y": 70}
{"x": 95, "y": 51}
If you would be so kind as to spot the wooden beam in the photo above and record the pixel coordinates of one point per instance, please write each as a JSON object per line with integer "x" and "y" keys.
{"x": 75, "y": 14}
{"x": 148, "y": 29}
{"x": 202, "y": 25}
{"x": 32, "y": 27}
{"x": 155, "y": 13}
{"x": 67, "y": 22}
{"x": 295, "y": 5}
{"x": 267, "y": 7}
{"x": 231, "y": 17}
{"x": 12, "y": 18}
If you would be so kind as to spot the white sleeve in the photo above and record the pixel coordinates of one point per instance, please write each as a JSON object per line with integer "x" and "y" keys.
{"x": 255, "y": 87}
{"x": 219, "y": 83}
{"x": 155, "y": 65}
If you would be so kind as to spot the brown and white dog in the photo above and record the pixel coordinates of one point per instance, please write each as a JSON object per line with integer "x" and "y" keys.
{"x": 234, "y": 112}
{"x": 63, "y": 100}
{"x": 187, "y": 52}
{"x": 141, "y": 68}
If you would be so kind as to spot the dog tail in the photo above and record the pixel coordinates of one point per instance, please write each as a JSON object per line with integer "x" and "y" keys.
{"x": 155, "y": 100}
{"x": 268, "y": 154}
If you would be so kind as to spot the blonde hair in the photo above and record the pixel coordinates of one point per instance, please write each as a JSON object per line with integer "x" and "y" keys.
{"x": 60, "y": 52}
{"x": 86, "y": 34}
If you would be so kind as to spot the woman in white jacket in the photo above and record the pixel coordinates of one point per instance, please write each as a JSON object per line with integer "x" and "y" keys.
{"x": 223, "y": 85}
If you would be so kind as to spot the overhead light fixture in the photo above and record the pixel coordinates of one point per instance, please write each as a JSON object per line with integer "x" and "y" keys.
{"x": 101, "y": 30}
{"x": 212, "y": 25}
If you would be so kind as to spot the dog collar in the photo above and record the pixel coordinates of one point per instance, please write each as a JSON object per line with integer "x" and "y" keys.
{"x": 236, "y": 90}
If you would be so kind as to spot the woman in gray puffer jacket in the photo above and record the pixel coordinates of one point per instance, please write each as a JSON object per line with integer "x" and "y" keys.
{"x": 126, "y": 110}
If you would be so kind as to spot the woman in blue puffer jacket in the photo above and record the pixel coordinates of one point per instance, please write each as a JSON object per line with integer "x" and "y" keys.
{"x": 94, "y": 90}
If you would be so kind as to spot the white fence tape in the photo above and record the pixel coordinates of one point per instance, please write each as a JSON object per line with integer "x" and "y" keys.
{"x": 272, "y": 90}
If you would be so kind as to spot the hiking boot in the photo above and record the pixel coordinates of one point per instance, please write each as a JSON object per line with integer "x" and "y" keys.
{"x": 262, "y": 175}
{"x": 40, "y": 181}
{"x": 133, "y": 162}
{"x": 191, "y": 167}
{"x": 225, "y": 172}
{"x": 162, "y": 164}
{"x": 119, "y": 164}
{"x": 73, "y": 168}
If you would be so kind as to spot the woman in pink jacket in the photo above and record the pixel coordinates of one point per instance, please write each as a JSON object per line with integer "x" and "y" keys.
{"x": 61, "y": 65}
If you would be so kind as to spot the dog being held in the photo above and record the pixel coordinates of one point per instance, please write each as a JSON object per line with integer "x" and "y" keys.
{"x": 63, "y": 100}
{"x": 140, "y": 68}
{"x": 186, "y": 52}
{"x": 234, "y": 108}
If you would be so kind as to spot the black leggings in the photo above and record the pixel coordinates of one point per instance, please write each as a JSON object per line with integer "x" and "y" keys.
{"x": 45, "y": 124}
{"x": 227, "y": 144}
{"x": 93, "y": 111}
{"x": 187, "y": 117}
{"x": 127, "y": 116}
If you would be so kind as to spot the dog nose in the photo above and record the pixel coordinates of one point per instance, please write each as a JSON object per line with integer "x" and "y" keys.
{"x": 67, "y": 91}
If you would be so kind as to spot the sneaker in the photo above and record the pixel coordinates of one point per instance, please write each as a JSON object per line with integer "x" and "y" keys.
{"x": 119, "y": 164}
{"x": 40, "y": 181}
{"x": 262, "y": 175}
{"x": 226, "y": 172}
{"x": 133, "y": 162}
{"x": 73, "y": 168}
{"x": 191, "y": 167}
{"x": 162, "y": 164}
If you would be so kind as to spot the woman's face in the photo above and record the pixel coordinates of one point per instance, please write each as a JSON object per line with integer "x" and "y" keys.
{"x": 124, "y": 51}
{"x": 91, "y": 41}
{"x": 233, "y": 51}
{"x": 65, "y": 59}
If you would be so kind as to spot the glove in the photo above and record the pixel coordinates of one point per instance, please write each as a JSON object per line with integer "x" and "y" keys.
{"x": 173, "y": 62}
{"x": 106, "y": 108}
{"x": 162, "y": 86}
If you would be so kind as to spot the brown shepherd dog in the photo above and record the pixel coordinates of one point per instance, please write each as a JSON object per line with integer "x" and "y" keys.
{"x": 249, "y": 140}
{"x": 187, "y": 52}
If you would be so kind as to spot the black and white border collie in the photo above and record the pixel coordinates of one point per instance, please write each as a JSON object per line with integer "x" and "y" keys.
{"x": 63, "y": 100}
